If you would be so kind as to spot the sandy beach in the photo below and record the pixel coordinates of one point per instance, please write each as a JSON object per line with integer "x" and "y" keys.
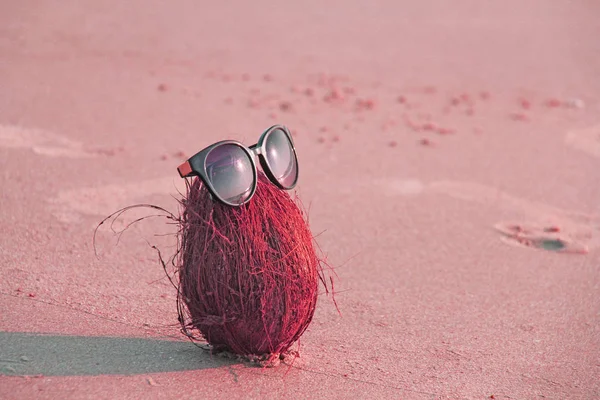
{"x": 450, "y": 162}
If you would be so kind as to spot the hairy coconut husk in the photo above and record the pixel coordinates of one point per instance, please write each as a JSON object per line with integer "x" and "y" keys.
{"x": 249, "y": 275}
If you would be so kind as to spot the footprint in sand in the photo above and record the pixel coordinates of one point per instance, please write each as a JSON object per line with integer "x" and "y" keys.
{"x": 547, "y": 227}
{"x": 69, "y": 205}
{"x": 549, "y": 238}
{"x": 587, "y": 140}
{"x": 543, "y": 226}
{"x": 47, "y": 143}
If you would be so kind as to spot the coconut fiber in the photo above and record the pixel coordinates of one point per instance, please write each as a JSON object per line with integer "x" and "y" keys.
{"x": 249, "y": 275}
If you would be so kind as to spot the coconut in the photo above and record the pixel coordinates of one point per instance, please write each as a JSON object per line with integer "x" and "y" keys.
{"x": 249, "y": 275}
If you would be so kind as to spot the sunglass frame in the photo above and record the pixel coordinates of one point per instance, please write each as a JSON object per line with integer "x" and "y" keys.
{"x": 196, "y": 165}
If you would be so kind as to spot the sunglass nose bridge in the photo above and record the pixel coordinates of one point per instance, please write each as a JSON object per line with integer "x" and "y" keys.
{"x": 255, "y": 150}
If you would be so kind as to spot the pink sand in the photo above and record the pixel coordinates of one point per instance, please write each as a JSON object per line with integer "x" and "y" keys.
{"x": 499, "y": 125}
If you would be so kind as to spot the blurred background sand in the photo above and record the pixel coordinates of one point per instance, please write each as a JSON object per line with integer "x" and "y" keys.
{"x": 426, "y": 131}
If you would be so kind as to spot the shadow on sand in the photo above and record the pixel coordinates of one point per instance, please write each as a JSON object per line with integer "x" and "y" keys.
{"x": 38, "y": 354}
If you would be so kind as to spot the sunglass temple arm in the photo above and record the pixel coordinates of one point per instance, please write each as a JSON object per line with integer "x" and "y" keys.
{"x": 185, "y": 169}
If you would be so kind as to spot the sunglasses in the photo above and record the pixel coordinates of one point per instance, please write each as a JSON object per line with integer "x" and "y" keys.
{"x": 228, "y": 168}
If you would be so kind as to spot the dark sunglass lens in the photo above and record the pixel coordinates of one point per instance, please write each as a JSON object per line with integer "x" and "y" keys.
{"x": 281, "y": 158}
{"x": 231, "y": 173}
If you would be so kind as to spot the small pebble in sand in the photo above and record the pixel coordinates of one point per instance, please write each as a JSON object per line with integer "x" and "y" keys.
{"x": 426, "y": 142}
{"x": 309, "y": 91}
{"x": 109, "y": 152}
{"x": 525, "y": 104}
{"x": 31, "y": 295}
{"x": 321, "y": 139}
{"x": 392, "y": 143}
{"x": 179, "y": 154}
{"x": 484, "y": 95}
{"x": 553, "y": 103}
{"x": 335, "y": 138}
{"x": 401, "y": 99}
{"x": 151, "y": 382}
{"x": 285, "y": 106}
{"x": 333, "y": 95}
{"x": 267, "y": 77}
{"x": 429, "y": 126}
{"x": 516, "y": 228}
{"x": 552, "y": 228}
{"x": 519, "y": 116}
{"x": 365, "y": 104}
{"x": 162, "y": 87}
{"x": 445, "y": 131}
